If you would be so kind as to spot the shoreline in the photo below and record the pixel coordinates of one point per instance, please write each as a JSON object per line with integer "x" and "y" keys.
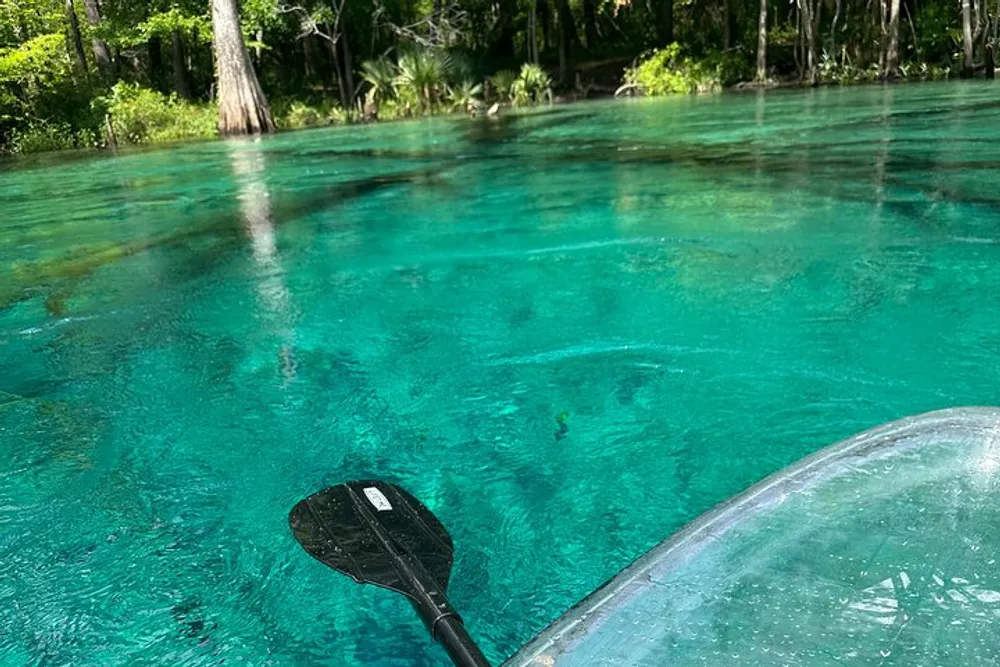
{"x": 559, "y": 99}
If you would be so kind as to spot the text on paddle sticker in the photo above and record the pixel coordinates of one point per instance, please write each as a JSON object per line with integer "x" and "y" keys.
{"x": 376, "y": 498}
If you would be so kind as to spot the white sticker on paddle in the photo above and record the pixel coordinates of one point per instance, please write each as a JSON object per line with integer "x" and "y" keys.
{"x": 376, "y": 498}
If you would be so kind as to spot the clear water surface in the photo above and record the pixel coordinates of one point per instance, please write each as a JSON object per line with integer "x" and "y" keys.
{"x": 569, "y": 333}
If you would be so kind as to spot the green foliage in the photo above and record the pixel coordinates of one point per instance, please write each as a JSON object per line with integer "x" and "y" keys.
{"x": 845, "y": 73}
{"x": 923, "y": 71}
{"x": 40, "y": 137}
{"x": 162, "y": 24}
{"x": 501, "y": 84}
{"x": 297, "y": 115}
{"x": 259, "y": 15}
{"x": 666, "y": 72}
{"x": 38, "y": 61}
{"x": 669, "y": 72}
{"x": 532, "y": 86}
{"x": 42, "y": 105}
{"x": 339, "y": 116}
{"x": 783, "y": 35}
{"x": 423, "y": 75}
{"x": 461, "y": 67}
{"x": 140, "y": 115}
{"x": 380, "y": 74}
{"x": 465, "y": 96}
{"x": 938, "y": 32}
{"x": 395, "y": 109}
{"x": 21, "y": 20}
{"x": 729, "y": 67}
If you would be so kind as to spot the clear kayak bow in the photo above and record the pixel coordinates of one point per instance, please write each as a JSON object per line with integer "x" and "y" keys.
{"x": 883, "y": 549}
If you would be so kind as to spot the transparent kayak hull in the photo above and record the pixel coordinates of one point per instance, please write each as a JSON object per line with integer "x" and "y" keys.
{"x": 879, "y": 550}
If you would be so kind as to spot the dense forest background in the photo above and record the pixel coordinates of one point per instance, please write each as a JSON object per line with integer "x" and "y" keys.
{"x": 89, "y": 72}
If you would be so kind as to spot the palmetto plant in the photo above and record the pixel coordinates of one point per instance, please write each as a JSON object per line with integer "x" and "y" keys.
{"x": 501, "y": 82}
{"x": 424, "y": 75}
{"x": 531, "y": 86}
{"x": 380, "y": 74}
{"x": 465, "y": 95}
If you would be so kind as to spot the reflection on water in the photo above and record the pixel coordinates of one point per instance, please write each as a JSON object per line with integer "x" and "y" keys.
{"x": 568, "y": 333}
{"x": 249, "y": 167}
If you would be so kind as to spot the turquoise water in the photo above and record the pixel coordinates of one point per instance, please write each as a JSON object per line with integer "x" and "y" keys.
{"x": 568, "y": 333}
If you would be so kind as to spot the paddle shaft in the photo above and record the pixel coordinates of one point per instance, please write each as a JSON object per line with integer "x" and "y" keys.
{"x": 428, "y": 598}
{"x": 444, "y": 624}
{"x": 451, "y": 634}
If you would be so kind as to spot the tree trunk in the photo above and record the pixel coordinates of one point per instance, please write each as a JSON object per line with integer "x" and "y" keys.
{"x": 892, "y": 53}
{"x": 967, "y": 64}
{"x": 663, "y": 15}
{"x": 338, "y": 70}
{"x": 996, "y": 24}
{"x": 883, "y": 33}
{"x": 435, "y": 34}
{"x": 154, "y": 49}
{"x": 913, "y": 32}
{"x": 109, "y": 132}
{"x": 182, "y": 83}
{"x": 545, "y": 12}
{"x": 816, "y": 11}
{"x": 348, "y": 65}
{"x": 567, "y": 38}
{"x": 984, "y": 28}
{"x": 258, "y": 51}
{"x": 991, "y": 47}
{"x": 243, "y": 108}
{"x": 806, "y": 11}
{"x": 74, "y": 35}
{"x": 533, "y": 33}
{"x": 797, "y": 43}
{"x": 833, "y": 29}
{"x": 102, "y": 56}
{"x": 504, "y": 47}
{"x": 307, "y": 58}
{"x": 330, "y": 39}
{"x": 562, "y": 56}
{"x": 727, "y": 37}
{"x": 762, "y": 42}
{"x": 590, "y": 24}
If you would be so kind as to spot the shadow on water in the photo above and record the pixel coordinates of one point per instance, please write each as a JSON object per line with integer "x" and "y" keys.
{"x": 843, "y": 165}
{"x": 55, "y": 279}
{"x": 480, "y": 132}
{"x": 510, "y": 127}
{"x": 847, "y": 168}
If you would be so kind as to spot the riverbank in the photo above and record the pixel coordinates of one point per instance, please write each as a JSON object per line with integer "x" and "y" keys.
{"x": 139, "y": 116}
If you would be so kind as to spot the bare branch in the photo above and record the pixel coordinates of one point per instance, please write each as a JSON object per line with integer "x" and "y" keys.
{"x": 439, "y": 30}
{"x": 310, "y": 27}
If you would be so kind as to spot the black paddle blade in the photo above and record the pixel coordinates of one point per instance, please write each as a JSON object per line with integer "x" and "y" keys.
{"x": 366, "y": 529}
